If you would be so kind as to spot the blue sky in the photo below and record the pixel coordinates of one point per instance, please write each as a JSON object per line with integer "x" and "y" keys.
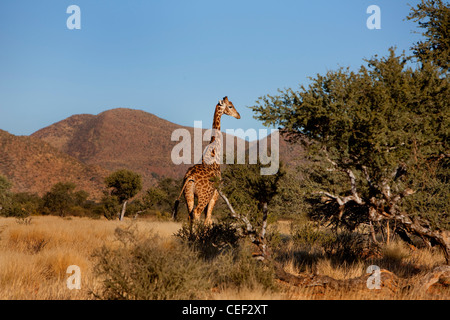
{"x": 176, "y": 59}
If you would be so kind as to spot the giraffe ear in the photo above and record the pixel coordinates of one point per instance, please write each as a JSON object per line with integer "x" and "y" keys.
{"x": 220, "y": 102}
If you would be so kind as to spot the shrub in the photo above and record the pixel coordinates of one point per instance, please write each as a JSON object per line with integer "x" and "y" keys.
{"x": 156, "y": 269}
{"x": 346, "y": 246}
{"x": 238, "y": 269}
{"x": 310, "y": 235}
{"x": 228, "y": 256}
{"x": 150, "y": 269}
{"x": 209, "y": 241}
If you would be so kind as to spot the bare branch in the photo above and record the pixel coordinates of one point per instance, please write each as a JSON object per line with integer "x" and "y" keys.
{"x": 355, "y": 194}
{"x": 256, "y": 238}
{"x": 327, "y": 156}
{"x": 338, "y": 199}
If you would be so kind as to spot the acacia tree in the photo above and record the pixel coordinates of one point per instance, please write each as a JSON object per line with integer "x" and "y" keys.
{"x": 124, "y": 184}
{"x": 379, "y": 128}
{"x": 251, "y": 194}
{"x": 433, "y": 17}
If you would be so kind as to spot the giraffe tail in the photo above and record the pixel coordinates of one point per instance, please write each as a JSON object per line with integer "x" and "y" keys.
{"x": 175, "y": 209}
{"x": 177, "y": 201}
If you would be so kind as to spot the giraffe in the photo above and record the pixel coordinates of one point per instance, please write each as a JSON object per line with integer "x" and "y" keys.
{"x": 199, "y": 180}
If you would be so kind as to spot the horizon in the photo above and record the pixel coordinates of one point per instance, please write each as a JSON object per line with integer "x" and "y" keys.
{"x": 176, "y": 60}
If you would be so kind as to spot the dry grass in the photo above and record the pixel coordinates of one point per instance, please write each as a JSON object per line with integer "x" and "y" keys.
{"x": 409, "y": 264}
{"x": 34, "y": 259}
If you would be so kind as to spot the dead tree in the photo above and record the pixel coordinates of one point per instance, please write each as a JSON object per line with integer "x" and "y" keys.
{"x": 257, "y": 237}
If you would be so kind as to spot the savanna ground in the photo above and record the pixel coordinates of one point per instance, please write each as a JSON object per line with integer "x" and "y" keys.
{"x": 35, "y": 254}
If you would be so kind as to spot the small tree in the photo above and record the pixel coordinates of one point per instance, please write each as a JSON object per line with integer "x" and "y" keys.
{"x": 62, "y": 197}
{"x": 251, "y": 193}
{"x": 433, "y": 17}
{"x": 160, "y": 197}
{"x": 124, "y": 184}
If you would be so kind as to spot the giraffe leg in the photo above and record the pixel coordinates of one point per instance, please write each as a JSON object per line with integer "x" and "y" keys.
{"x": 190, "y": 199}
{"x": 211, "y": 204}
{"x": 203, "y": 201}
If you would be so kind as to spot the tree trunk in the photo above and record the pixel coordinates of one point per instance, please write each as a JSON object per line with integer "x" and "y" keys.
{"x": 263, "y": 246}
{"x": 257, "y": 238}
{"x": 414, "y": 226}
{"x": 124, "y": 208}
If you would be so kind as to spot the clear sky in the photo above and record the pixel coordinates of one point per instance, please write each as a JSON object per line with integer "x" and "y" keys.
{"x": 176, "y": 59}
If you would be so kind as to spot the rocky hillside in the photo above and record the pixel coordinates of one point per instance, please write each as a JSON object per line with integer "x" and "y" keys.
{"x": 35, "y": 166}
{"x": 119, "y": 138}
{"x": 85, "y": 148}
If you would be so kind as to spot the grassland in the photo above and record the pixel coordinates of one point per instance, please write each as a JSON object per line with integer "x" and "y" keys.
{"x": 34, "y": 256}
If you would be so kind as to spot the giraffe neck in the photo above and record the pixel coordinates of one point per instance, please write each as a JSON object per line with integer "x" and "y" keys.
{"x": 213, "y": 152}
{"x": 216, "y": 120}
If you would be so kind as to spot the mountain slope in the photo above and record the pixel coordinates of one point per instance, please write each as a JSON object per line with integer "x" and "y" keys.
{"x": 120, "y": 138}
{"x": 35, "y": 166}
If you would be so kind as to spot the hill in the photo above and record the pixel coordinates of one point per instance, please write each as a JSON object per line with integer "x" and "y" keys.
{"x": 120, "y": 138}
{"x": 135, "y": 140}
{"x": 35, "y": 166}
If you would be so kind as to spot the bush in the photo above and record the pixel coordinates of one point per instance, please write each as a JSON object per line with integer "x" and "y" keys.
{"x": 310, "y": 235}
{"x": 150, "y": 269}
{"x": 347, "y": 246}
{"x": 228, "y": 256}
{"x": 110, "y": 207}
{"x": 209, "y": 241}
{"x": 62, "y": 199}
{"x": 156, "y": 269}
{"x": 238, "y": 269}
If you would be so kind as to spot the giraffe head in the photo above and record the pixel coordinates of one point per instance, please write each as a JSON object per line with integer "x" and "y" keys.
{"x": 227, "y": 108}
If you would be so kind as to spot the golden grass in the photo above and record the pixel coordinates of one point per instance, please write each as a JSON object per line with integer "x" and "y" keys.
{"x": 34, "y": 259}
{"x": 409, "y": 264}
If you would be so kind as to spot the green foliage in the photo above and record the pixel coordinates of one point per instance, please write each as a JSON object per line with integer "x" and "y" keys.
{"x": 432, "y": 179}
{"x": 346, "y": 246}
{"x": 249, "y": 191}
{"x": 62, "y": 199}
{"x": 25, "y": 204}
{"x": 433, "y": 17}
{"x": 257, "y": 188}
{"x": 309, "y": 234}
{"x": 378, "y": 137}
{"x": 240, "y": 270}
{"x": 110, "y": 206}
{"x": 5, "y": 186}
{"x": 209, "y": 241}
{"x": 160, "y": 199}
{"x": 379, "y": 122}
{"x": 312, "y": 241}
{"x": 231, "y": 264}
{"x": 124, "y": 184}
{"x": 373, "y": 117}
